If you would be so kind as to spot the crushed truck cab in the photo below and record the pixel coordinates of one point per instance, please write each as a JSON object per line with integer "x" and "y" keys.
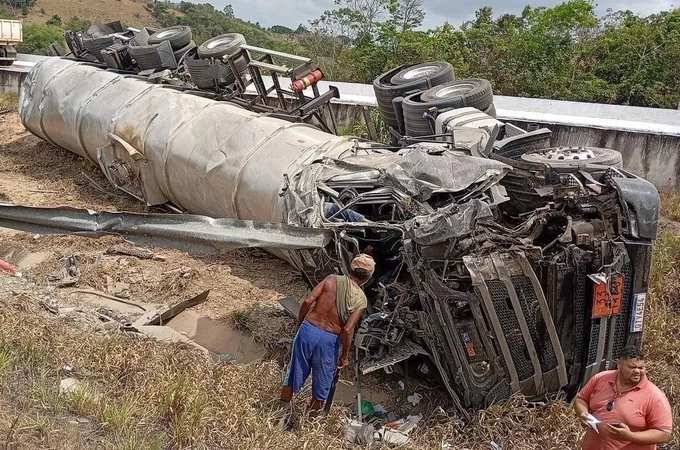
{"x": 503, "y": 264}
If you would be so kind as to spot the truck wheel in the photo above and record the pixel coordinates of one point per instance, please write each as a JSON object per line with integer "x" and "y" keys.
{"x": 474, "y": 92}
{"x": 183, "y": 51}
{"x": 410, "y": 79}
{"x": 179, "y": 36}
{"x": 521, "y": 185}
{"x": 219, "y": 46}
{"x": 436, "y": 72}
{"x": 573, "y": 156}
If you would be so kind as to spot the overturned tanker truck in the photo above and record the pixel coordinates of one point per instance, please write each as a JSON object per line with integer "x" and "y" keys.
{"x": 503, "y": 265}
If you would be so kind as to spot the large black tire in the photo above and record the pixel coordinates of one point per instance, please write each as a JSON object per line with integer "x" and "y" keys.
{"x": 569, "y": 157}
{"x": 208, "y": 74}
{"x": 474, "y": 92}
{"x": 491, "y": 111}
{"x": 386, "y": 91}
{"x": 179, "y": 36}
{"x": 182, "y": 51}
{"x": 414, "y": 122}
{"x": 96, "y": 45}
{"x": 222, "y": 45}
{"x": 437, "y": 72}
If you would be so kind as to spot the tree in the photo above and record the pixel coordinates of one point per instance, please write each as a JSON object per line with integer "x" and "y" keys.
{"x": 409, "y": 14}
{"x": 55, "y": 20}
{"x": 280, "y": 29}
{"x": 354, "y": 18}
{"x": 37, "y": 38}
{"x": 229, "y": 11}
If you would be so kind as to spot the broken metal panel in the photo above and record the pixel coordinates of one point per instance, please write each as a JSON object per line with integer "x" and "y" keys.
{"x": 641, "y": 202}
{"x": 453, "y": 221}
{"x": 184, "y": 232}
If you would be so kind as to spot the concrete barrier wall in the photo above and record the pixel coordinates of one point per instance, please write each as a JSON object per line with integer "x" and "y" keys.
{"x": 10, "y": 79}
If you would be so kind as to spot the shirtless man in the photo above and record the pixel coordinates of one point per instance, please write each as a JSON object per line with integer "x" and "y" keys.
{"x": 325, "y": 325}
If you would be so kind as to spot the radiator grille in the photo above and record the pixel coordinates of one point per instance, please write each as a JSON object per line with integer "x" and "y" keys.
{"x": 513, "y": 334}
{"x": 594, "y": 336}
{"x": 501, "y": 391}
{"x": 579, "y": 301}
{"x": 537, "y": 326}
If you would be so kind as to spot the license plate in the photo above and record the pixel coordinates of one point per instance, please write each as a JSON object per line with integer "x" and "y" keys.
{"x": 608, "y": 298}
{"x": 638, "y": 317}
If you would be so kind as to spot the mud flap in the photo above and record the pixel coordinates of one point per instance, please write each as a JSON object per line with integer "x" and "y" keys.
{"x": 517, "y": 309}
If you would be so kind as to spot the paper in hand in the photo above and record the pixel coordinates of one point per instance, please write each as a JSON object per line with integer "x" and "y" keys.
{"x": 592, "y": 422}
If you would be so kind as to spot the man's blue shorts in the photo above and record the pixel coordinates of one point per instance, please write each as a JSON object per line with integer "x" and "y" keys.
{"x": 314, "y": 350}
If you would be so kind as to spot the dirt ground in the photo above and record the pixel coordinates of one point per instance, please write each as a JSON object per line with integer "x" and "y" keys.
{"x": 143, "y": 394}
{"x": 33, "y": 172}
{"x": 244, "y": 286}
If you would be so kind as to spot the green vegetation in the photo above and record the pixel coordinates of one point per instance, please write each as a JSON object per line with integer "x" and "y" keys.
{"x": 37, "y": 38}
{"x": 78, "y": 24}
{"x": 565, "y": 52}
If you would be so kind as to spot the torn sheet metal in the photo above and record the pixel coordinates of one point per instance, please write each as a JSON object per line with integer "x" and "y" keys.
{"x": 179, "y": 231}
{"x": 451, "y": 222}
{"x": 420, "y": 171}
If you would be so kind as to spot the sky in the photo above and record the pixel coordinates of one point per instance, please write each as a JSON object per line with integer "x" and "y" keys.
{"x": 292, "y": 13}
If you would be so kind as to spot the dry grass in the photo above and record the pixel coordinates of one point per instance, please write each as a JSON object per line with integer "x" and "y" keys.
{"x": 130, "y": 12}
{"x": 137, "y": 393}
{"x": 670, "y": 205}
{"x": 8, "y": 102}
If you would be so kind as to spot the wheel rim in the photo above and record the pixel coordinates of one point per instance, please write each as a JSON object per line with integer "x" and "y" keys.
{"x": 564, "y": 154}
{"x": 165, "y": 34}
{"x": 219, "y": 42}
{"x": 449, "y": 91}
{"x": 420, "y": 72}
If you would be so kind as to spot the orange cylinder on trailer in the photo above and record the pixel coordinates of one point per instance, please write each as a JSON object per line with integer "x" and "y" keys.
{"x": 308, "y": 80}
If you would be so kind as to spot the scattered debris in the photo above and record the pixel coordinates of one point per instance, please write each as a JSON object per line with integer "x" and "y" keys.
{"x": 137, "y": 252}
{"x": 414, "y": 398}
{"x": 51, "y": 306}
{"x": 118, "y": 289}
{"x": 68, "y": 385}
{"x": 68, "y": 275}
{"x": 173, "y": 311}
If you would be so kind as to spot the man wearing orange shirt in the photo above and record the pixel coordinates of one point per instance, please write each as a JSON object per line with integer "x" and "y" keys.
{"x": 634, "y": 414}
